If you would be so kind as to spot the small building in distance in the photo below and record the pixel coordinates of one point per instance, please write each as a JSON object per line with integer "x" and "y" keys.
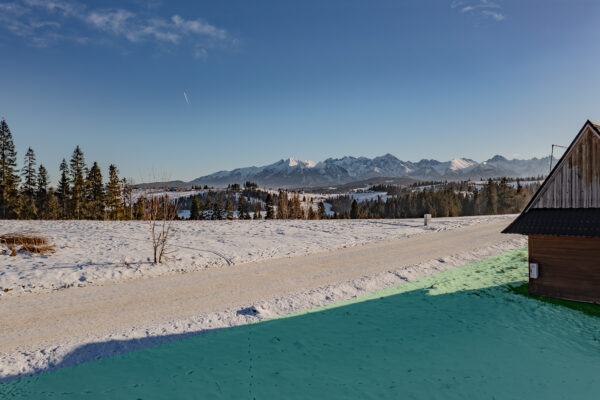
{"x": 562, "y": 222}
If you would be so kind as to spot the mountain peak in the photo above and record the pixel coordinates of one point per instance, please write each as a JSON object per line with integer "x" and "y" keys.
{"x": 497, "y": 158}
{"x": 292, "y": 172}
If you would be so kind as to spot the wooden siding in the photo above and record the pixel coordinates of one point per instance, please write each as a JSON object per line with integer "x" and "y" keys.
{"x": 569, "y": 267}
{"x": 576, "y": 181}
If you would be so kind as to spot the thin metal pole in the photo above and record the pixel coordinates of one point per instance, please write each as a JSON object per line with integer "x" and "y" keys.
{"x": 552, "y": 153}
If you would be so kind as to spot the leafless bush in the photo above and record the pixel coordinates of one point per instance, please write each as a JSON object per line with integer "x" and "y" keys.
{"x": 26, "y": 242}
{"x": 161, "y": 213}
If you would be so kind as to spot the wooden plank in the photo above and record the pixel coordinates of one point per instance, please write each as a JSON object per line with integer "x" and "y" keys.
{"x": 569, "y": 267}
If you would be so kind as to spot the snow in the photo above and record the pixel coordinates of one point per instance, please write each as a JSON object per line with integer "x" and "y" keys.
{"x": 361, "y": 197}
{"x": 99, "y": 345}
{"x": 94, "y": 252}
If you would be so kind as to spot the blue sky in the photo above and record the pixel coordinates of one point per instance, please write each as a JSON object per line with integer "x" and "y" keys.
{"x": 312, "y": 79}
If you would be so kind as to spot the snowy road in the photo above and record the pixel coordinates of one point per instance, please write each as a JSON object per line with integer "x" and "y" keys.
{"x": 37, "y": 322}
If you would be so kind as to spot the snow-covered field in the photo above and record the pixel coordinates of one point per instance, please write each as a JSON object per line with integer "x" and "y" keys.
{"x": 92, "y": 252}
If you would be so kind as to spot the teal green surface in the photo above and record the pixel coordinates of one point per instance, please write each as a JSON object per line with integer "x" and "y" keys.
{"x": 453, "y": 335}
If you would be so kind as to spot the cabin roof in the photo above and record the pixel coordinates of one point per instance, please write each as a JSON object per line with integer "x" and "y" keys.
{"x": 558, "y": 221}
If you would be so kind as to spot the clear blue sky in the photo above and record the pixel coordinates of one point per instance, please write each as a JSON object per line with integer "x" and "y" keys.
{"x": 312, "y": 79}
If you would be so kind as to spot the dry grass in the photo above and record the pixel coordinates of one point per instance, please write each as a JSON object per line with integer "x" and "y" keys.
{"x": 26, "y": 242}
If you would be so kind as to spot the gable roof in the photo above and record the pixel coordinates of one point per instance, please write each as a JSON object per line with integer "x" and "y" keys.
{"x": 574, "y": 221}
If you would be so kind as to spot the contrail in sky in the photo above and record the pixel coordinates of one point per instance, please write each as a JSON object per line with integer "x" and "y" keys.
{"x": 186, "y": 98}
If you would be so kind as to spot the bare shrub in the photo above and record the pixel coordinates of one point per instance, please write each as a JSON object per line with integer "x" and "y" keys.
{"x": 161, "y": 214}
{"x": 26, "y": 242}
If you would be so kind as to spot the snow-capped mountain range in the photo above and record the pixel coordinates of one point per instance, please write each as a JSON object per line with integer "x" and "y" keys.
{"x": 293, "y": 173}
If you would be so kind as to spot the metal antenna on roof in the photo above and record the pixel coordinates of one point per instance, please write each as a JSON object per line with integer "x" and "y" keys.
{"x": 552, "y": 153}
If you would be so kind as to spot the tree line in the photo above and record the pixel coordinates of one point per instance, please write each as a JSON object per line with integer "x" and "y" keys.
{"x": 80, "y": 193}
{"x": 455, "y": 199}
{"x": 250, "y": 202}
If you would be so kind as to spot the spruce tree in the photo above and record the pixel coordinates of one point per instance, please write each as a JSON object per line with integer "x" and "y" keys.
{"x": 270, "y": 207}
{"x": 64, "y": 191}
{"x": 243, "y": 211}
{"x": 41, "y": 193}
{"x": 310, "y": 213}
{"x": 355, "y": 211}
{"x": 29, "y": 173}
{"x": 9, "y": 178}
{"x": 229, "y": 209}
{"x": 54, "y": 209}
{"x": 282, "y": 206}
{"x": 28, "y": 208}
{"x": 257, "y": 214}
{"x": 195, "y": 209}
{"x": 217, "y": 210}
{"x": 126, "y": 199}
{"x": 78, "y": 184}
{"x": 95, "y": 195}
{"x": 322, "y": 214}
{"x": 113, "y": 194}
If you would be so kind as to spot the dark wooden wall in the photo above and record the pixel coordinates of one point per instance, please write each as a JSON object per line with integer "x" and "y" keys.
{"x": 576, "y": 181}
{"x": 569, "y": 267}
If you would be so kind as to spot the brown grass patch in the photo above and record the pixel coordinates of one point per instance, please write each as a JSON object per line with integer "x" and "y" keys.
{"x": 26, "y": 242}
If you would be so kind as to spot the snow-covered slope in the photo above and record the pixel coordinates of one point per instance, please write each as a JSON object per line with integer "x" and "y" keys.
{"x": 292, "y": 172}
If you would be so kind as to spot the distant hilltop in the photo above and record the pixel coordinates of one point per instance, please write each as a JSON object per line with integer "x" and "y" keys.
{"x": 294, "y": 173}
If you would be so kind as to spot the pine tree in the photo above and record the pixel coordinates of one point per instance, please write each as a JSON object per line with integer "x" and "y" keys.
{"x": 54, "y": 208}
{"x": 295, "y": 208}
{"x": 243, "y": 211}
{"x": 28, "y": 209}
{"x": 257, "y": 214}
{"x": 64, "y": 191}
{"x": 9, "y": 179}
{"x": 195, "y": 209}
{"x": 41, "y": 193}
{"x": 113, "y": 194}
{"x": 322, "y": 214}
{"x": 78, "y": 186}
{"x": 310, "y": 213}
{"x": 217, "y": 210}
{"x": 282, "y": 206}
{"x": 95, "y": 194}
{"x": 229, "y": 209}
{"x": 126, "y": 199}
{"x": 29, "y": 174}
{"x": 355, "y": 211}
{"x": 270, "y": 207}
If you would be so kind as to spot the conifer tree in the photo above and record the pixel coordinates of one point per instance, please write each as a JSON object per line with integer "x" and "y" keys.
{"x": 41, "y": 193}
{"x": 229, "y": 209}
{"x": 28, "y": 208}
{"x": 78, "y": 185}
{"x": 295, "y": 208}
{"x": 217, "y": 210}
{"x": 9, "y": 179}
{"x": 195, "y": 209}
{"x": 270, "y": 207}
{"x": 322, "y": 214}
{"x": 113, "y": 194}
{"x": 64, "y": 191}
{"x": 310, "y": 213}
{"x": 243, "y": 211}
{"x": 95, "y": 194}
{"x": 257, "y": 214}
{"x": 54, "y": 207}
{"x": 282, "y": 206}
{"x": 126, "y": 199}
{"x": 355, "y": 211}
{"x": 29, "y": 174}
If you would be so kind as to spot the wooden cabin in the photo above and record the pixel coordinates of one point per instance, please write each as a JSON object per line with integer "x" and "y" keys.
{"x": 562, "y": 221}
